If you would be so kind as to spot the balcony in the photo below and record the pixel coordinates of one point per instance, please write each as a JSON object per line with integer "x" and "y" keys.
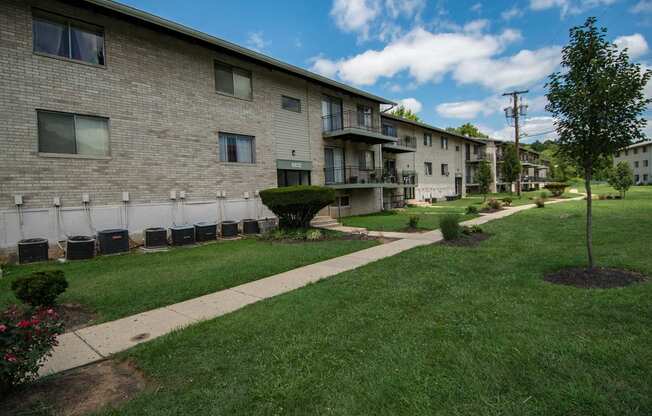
{"x": 402, "y": 145}
{"x": 478, "y": 157}
{"x": 360, "y": 177}
{"x": 355, "y": 126}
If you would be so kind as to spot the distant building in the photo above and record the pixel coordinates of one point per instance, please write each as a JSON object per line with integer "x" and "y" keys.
{"x": 638, "y": 157}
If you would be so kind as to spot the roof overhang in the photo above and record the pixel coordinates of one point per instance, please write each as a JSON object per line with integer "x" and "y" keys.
{"x": 181, "y": 30}
{"x": 429, "y": 127}
{"x": 359, "y": 135}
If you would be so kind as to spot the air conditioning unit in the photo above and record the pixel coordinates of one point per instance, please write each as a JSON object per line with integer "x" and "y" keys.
{"x": 156, "y": 237}
{"x": 229, "y": 229}
{"x": 113, "y": 241}
{"x": 182, "y": 235}
{"x": 205, "y": 231}
{"x": 80, "y": 247}
{"x": 31, "y": 250}
{"x": 250, "y": 226}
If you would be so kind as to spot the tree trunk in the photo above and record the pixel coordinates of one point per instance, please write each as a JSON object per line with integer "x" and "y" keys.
{"x": 589, "y": 221}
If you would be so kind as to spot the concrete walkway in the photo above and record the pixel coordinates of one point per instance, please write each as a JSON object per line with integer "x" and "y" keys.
{"x": 97, "y": 342}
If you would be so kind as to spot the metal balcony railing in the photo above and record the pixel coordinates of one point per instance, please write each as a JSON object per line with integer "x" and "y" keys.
{"x": 362, "y": 175}
{"x": 476, "y": 157}
{"x": 406, "y": 141}
{"x": 350, "y": 120}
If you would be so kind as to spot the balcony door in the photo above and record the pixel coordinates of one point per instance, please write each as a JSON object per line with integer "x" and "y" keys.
{"x": 334, "y": 165}
{"x": 331, "y": 111}
{"x": 365, "y": 117}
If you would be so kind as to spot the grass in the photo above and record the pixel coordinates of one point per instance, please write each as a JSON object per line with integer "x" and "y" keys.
{"x": 118, "y": 286}
{"x": 397, "y": 220}
{"x": 434, "y": 330}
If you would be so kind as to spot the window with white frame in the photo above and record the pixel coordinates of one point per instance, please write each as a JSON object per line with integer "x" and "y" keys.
{"x": 67, "y": 38}
{"x": 236, "y": 148}
{"x": 427, "y": 168}
{"x": 233, "y": 81}
{"x": 427, "y": 139}
{"x": 444, "y": 169}
{"x": 66, "y": 133}
{"x": 444, "y": 143}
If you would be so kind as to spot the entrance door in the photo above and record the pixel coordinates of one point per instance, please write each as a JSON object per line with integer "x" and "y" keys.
{"x": 334, "y": 164}
{"x": 458, "y": 186}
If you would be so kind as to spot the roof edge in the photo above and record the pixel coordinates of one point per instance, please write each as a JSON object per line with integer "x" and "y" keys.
{"x": 430, "y": 127}
{"x": 256, "y": 56}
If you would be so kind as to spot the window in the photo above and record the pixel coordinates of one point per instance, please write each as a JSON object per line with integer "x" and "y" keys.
{"x": 427, "y": 139}
{"x": 635, "y": 151}
{"x": 475, "y": 149}
{"x": 365, "y": 116}
{"x": 232, "y": 81}
{"x": 457, "y": 148}
{"x": 67, "y": 133}
{"x": 331, "y": 111}
{"x": 444, "y": 143}
{"x": 636, "y": 164}
{"x": 389, "y": 130}
{"x": 427, "y": 167}
{"x": 236, "y": 148}
{"x": 342, "y": 201}
{"x": 645, "y": 163}
{"x": 366, "y": 159}
{"x": 635, "y": 178}
{"x": 287, "y": 177}
{"x": 444, "y": 169}
{"x": 68, "y": 38}
{"x": 644, "y": 149}
{"x": 645, "y": 178}
{"x": 291, "y": 104}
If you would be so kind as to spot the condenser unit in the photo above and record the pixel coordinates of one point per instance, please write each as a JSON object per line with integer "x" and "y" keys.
{"x": 113, "y": 241}
{"x": 80, "y": 247}
{"x": 156, "y": 237}
{"x": 182, "y": 234}
{"x": 31, "y": 250}
{"x": 205, "y": 231}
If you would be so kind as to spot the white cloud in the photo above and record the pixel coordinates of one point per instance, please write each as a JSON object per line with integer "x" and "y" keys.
{"x": 411, "y": 104}
{"x": 635, "y": 44}
{"x": 256, "y": 41}
{"x": 476, "y": 26}
{"x": 521, "y": 69}
{"x": 355, "y": 15}
{"x": 569, "y": 6}
{"x": 407, "y": 8}
{"x": 512, "y": 13}
{"x": 463, "y": 109}
{"x": 428, "y": 56}
{"x": 643, "y": 6}
{"x": 477, "y": 7}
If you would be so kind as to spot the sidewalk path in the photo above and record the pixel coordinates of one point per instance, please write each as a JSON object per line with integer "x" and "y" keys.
{"x": 97, "y": 342}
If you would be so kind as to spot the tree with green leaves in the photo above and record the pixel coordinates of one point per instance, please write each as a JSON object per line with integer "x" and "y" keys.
{"x": 484, "y": 177}
{"x": 511, "y": 167}
{"x": 621, "y": 178}
{"x": 467, "y": 129}
{"x": 597, "y": 101}
{"x": 404, "y": 112}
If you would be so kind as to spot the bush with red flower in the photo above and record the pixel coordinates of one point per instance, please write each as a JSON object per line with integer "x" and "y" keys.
{"x": 26, "y": 337}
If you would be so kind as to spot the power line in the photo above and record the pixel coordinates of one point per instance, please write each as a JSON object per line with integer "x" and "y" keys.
{"x": 517, "y": 110}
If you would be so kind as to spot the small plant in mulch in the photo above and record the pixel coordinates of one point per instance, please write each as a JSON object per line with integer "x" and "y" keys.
{"x": 413, "y": 222}
{"x": 472, "y": 209}
{"x": 507, "y": 201}
{"x": 491, "y": 205}
{"x": 470, "y": 236}
{"x": 540, "y": 202}
{"x": 302, "y": 235}
{"x": 596, "y": 278}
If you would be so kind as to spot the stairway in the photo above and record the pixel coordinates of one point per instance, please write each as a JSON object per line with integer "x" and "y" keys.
{"x": 323, "y": 221}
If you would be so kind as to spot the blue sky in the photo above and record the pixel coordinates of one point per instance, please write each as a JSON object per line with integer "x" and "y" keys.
{"x": 448, "y": 60}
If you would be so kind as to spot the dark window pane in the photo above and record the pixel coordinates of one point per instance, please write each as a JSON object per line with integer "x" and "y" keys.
{"x": 87, "y": 45}
{"x": 56, "y": 133}
{"x": 232, "y": 150}
{"x": 223, "y": 78}
{"x": 291, "y": 104}
{"x": 51, "y": 37}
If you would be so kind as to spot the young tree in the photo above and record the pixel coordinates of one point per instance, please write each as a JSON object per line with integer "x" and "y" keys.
{"x": 597, "y": 101}
{"x": 621, "y": 178}
{"x": 483, "y": 178}
{"x": 511, "y": 166}
{"x": 402, "y": 111}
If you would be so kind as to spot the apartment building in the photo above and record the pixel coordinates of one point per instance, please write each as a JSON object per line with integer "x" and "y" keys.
{"x": 434, "y": 157}
{"x": 112, "y": 117}
{"x": 638, "y": 156}
{"x": 535, "y": 170}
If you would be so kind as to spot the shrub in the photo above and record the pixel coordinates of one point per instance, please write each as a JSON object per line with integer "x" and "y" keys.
{"x": 540, "y": 202}
{"x": 295, "y": 206}
{"x": 507, "y": 201}
{"x": 556, "y": 188}
{"x": 314, "y": 234}
{"x": 493, "y": 203}
{"x": 471, "y": 209}
{"x": 471, "y": 229}
{"x": 413, "y": 221}
{"x": 40, "y": 288}
{"x": 602, "y": 197}
{"x": 543, "y": 195}
{"x": 450, "y": 226}
{"x": 25, "y": 339}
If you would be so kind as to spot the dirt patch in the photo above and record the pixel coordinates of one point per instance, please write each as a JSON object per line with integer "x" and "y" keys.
{"x": 600, "y": 277}
{"x": 78, "y": 391}
{"x": 75, "y": 316}
{"x": 470, "y": 240}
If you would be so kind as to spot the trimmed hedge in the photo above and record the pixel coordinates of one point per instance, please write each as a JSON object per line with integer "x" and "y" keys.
{"x": 295, "y": 206}
{"x": 450, "y": 226}
{"x": 556, "y": 188}
{"x": 40, "y": 288}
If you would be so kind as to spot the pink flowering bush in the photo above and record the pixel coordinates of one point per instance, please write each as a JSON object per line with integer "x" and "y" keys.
{"x": 26, "y": 337}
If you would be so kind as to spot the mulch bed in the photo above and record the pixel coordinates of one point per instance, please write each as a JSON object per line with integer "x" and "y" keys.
{"x": 600, "y": 277}
{"x": 75, "y": 316}
{"x": 470, "y": 240}
{"x": 77, "y": 392}
{"x": 345, "y": 236}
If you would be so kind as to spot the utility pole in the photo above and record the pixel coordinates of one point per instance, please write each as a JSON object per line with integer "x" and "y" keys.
{"x": 516, "y": 111}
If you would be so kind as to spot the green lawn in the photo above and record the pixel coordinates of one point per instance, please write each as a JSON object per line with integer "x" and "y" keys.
{"x": 118, "y": 286}
{"x": 397, "y": 220}
{"x": 435, "y": 330}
